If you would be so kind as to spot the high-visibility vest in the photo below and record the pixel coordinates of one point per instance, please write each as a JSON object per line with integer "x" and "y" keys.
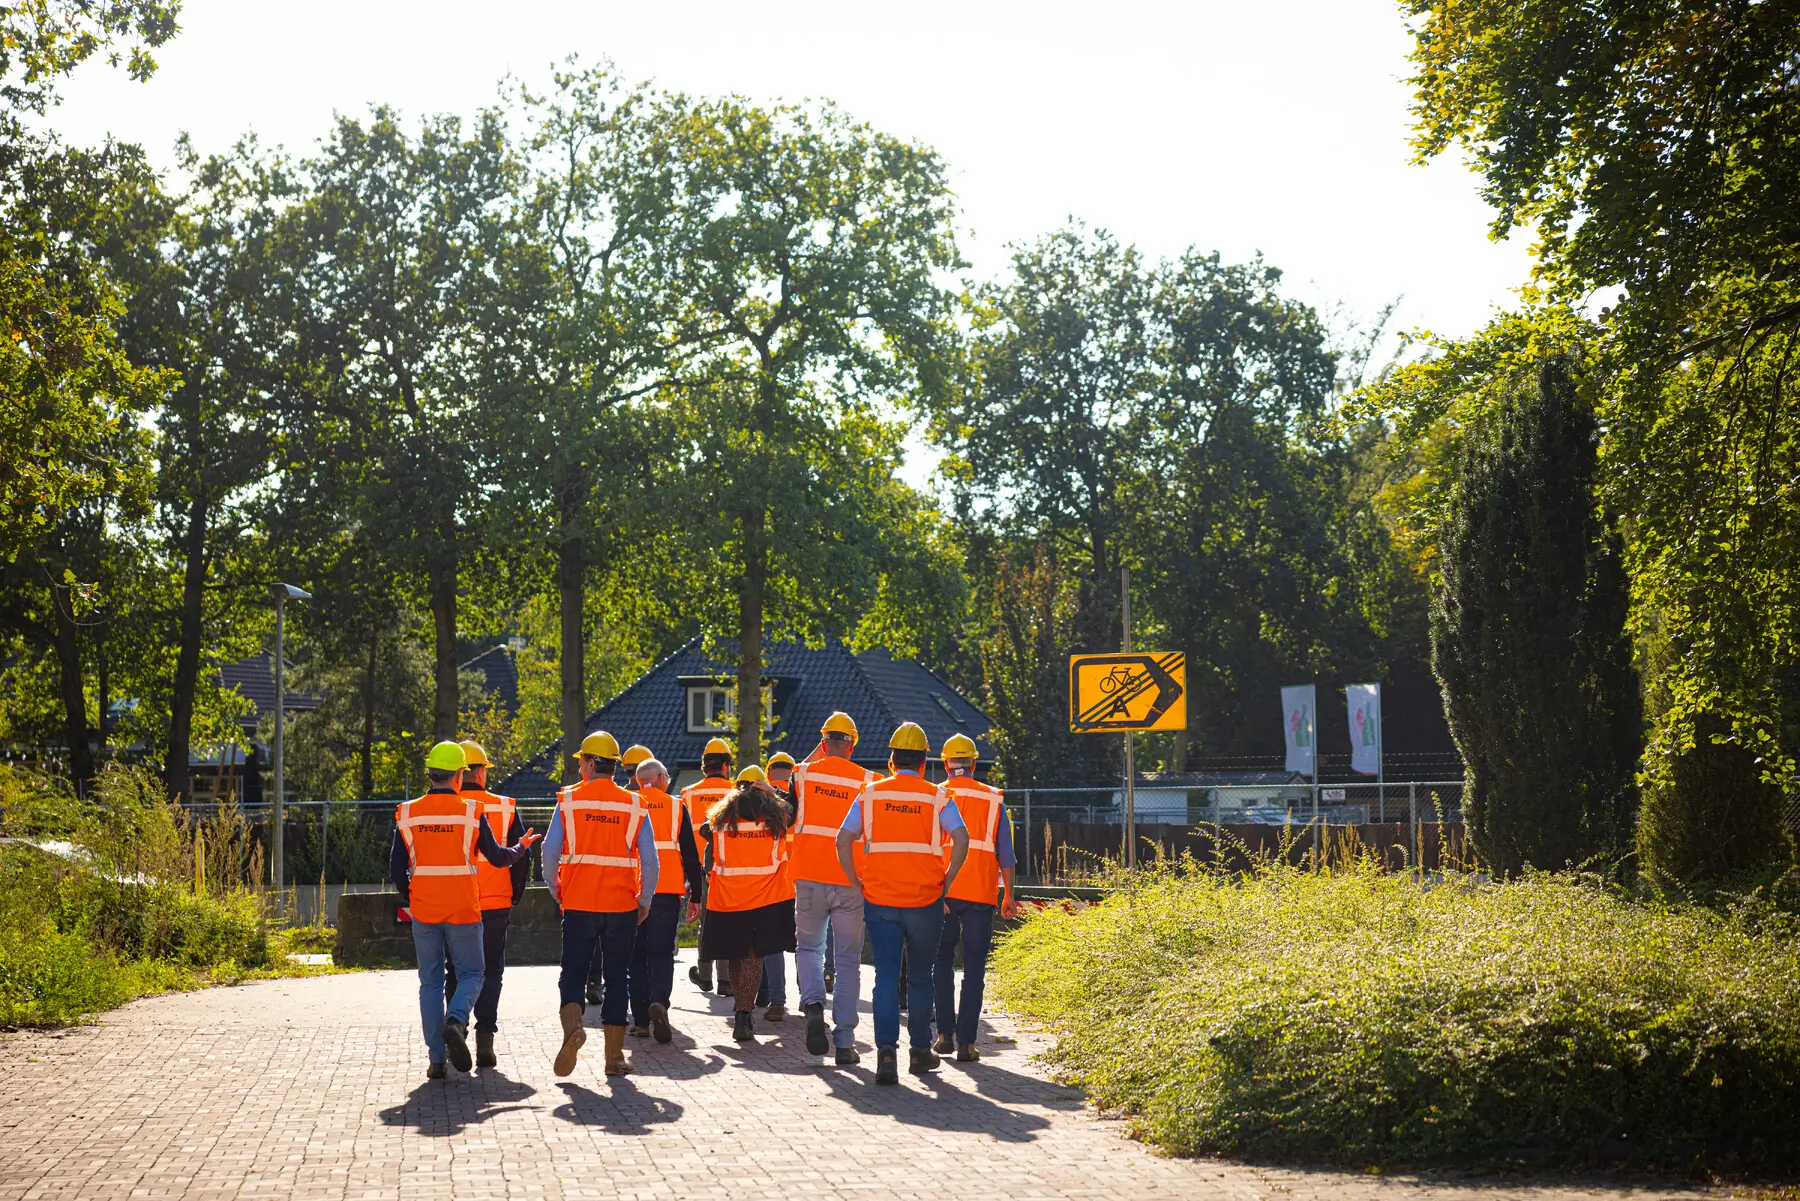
{"x": 749, "y": 868}
{"x": 664, "y": 815}
{"x": 439, "y": 832}
{"x": 598, "y": 871}
{"x": 494, "y": 883}
{"x": 702, "y": 795}
{"x": 982, "y": 809}
{"x": 824, "y": 791}
{"x": 904, "y": 856}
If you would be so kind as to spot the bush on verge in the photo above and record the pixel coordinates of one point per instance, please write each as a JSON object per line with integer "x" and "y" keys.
{"x": 1355, "y": 1016}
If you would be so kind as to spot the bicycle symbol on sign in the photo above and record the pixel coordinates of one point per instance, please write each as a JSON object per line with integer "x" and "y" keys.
{"x": 1115, "y": 679}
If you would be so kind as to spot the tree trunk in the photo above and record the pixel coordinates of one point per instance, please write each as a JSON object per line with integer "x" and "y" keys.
{"x": 368, "y": 730}
{"x": 176, "y": 776}
{"x": 571, "y": 586}
{"x": 67, "y": 639}
{"x": 443, "y": 619}
{"x": 750, "y": 629}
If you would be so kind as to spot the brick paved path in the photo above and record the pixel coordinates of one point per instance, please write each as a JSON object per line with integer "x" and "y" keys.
{"x": 316, "y": 1088}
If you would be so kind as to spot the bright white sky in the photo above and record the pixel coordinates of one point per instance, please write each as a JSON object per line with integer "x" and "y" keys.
{"x": 1271, "y": 125}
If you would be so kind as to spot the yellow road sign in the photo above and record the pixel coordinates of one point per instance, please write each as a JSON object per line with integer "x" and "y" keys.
{"x": 1140, "y": 690}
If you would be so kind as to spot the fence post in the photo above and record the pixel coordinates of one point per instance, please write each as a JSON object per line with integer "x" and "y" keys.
{"x": 1412, "y": 805}
{"x": 1030, "y": 865}
{"x": 1318, "y": 835}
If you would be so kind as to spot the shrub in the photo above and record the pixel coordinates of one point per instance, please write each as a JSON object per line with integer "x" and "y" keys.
{"x": 1355, "y": 1016}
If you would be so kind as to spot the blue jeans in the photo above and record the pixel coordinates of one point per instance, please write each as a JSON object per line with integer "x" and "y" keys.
{"x": 918, "y": 930}
{"x": 775, "y": 977}
{"x": 611, "y": 936}
{"x": 434, "y": 943}
{"x": 973, "y": 923}
{"x": 653, "y": 957}
{"x": 828, "y": 924}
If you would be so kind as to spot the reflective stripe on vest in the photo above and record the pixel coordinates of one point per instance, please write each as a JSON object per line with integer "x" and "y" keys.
{"x": 443, "y": 888}
{"x": 737, "y": 885}
{"x": 815, "y": 860}
{"x": 597, "y": 872}
{"x": 904, "y": 857}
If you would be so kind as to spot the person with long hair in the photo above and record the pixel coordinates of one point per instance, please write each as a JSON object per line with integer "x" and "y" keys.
{"x": 750, "y": 892}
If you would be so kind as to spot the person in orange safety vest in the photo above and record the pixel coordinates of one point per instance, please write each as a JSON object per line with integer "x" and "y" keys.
{"x": 698, "y": 798}
{"x": 749, "y": 895}
{"x": 501, "y": 888}
{"x": 679, "y": 872}
{"x": 913, "y": 844}
{"x": 438, "y": 840}
{"x": 973, "y": 901}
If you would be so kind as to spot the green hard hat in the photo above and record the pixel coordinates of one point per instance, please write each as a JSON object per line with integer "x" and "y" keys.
{"x": 446, "y": 756}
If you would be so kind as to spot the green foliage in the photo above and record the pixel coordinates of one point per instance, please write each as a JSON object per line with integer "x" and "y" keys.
{"x": 1528, "y": 632}
{"x": 1356, "y": 1017}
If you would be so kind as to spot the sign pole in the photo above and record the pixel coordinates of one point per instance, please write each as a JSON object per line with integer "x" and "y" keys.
{"x": 1130, "y": 770}
{"x": 1380, "y": 764}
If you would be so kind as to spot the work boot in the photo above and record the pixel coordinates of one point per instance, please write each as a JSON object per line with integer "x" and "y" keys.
{"x": 742, "y": 1028}
{"x": 615, "y": 1051}
{"x": 817, "y": 1041}
{"x": 574, "y": 1034}
{"x": 762, "y": 995}
{"x": 456, "y": 1045}
{"x": 435, "y": 1071}
{"x": 659, "y": 1022}
{"x": 830, "y": 981}
{"x": 484, "y": 1049}
{"x": 724, "y": 988}
{"x": 848, "y": 1057}
{"x": 966, "y": 1053}
{"x": 922, "y": 1060}
{"x": 887, "y": 1066}
{"x": 594, "y": 993}
{"x": 776, "y": 1012}
{"x": 701, "y": 980}
{"x": 944, "y": 1044}
{"x": 640, "y": 1031}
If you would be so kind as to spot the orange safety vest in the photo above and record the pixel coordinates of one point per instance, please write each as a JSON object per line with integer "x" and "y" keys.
{"x": 702, "y": 795}
{"x": 904, "y": 853}
{"x": 598, "y": 872}
{"x": 495, "y": 883}
{"x": 750, "y": 869}
{"x": 665, "y": 824}
{"x": 982, "y": 808}
{"x": 824, "y": 790}
{"x": 439, "y": 832}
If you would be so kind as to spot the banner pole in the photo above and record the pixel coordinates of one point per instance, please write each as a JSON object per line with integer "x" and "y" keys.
{"x": 1380, "y": 759}
{"x": 1130, "y": 767}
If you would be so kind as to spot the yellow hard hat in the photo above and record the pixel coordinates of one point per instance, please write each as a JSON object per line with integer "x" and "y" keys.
{"x": 446, "y": 756}
{"x": 909, "y": 737}
{"x": 635, "y": 754}
{"x": 751, "y": 775}
{"x": 780, "y": 759}
{"x": 473, "y": 755}
{"x": 718, "y": 746}
{"x": 839, "y": 723}
{"x": 959, "y": 746}
{"x": 600, "y": 745}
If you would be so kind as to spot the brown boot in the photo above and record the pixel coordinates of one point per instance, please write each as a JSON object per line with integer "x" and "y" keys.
{"x": 615, "y": 1051}
{"x": 573, "y": 1036}
{"x": 484, "y": 1049}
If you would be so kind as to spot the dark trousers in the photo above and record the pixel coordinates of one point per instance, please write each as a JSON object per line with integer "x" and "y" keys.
{"x": 493, "y": 949}
{"x": 607, "y": 937}
{"x": 653, "y": 956}
{"x": 972, "y": 923}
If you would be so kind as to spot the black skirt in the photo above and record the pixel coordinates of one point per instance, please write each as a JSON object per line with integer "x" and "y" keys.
{"x": 747, "y": 933}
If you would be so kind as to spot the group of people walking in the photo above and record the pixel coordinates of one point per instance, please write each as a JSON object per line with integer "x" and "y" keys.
{"x": 804, "y": 857}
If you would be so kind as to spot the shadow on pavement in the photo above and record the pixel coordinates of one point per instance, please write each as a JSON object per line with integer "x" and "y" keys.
{"x": 627, "y": 1110}
{"x": 948, "y": 1105}
{"x": 442, "y": 1108}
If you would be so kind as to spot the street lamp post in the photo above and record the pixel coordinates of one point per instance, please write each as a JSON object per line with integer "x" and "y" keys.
{"x": 280, "y": 594}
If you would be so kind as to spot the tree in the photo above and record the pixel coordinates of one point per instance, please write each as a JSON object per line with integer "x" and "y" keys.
{"x": 810, "y": 247}
{"x": 1528, "y": 633}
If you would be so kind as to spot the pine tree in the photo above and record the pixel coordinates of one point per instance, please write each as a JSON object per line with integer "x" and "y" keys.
{"x": 1528, "y": 635}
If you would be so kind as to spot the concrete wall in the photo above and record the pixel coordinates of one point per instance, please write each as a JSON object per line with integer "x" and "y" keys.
{"x": 368, "y": 934}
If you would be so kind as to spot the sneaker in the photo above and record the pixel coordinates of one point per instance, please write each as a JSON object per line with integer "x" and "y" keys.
{"x": 849, "y": 1057}
{"x": 741, "y": 1027}
{"x": 922, "y": 1060}
{"x": 817, "y": 1040}
{"x": 967, "y": 1053}
{"x": 456, "y": 1045}
{"x": 775, "y": 1012}
{"x": 640, "y": 1031}
{"x": 659, "y": 1023}
{"x": 435, "y": 1071}
{"x": 887, "y": 1066}
{"x": 703, "y": 982}
{"x": 944, "y": 1044}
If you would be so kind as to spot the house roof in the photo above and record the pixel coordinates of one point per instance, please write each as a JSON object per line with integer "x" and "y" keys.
{"x": 254, "y": 678}
{"x": 807, "y": 685}
{"x": 499, "y": 676}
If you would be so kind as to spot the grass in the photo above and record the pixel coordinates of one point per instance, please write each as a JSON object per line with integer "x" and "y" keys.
{"x": 1353, "y": 1016}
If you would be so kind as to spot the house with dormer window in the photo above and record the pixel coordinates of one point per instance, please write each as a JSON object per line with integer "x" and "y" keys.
{"x": 689, "y": 698}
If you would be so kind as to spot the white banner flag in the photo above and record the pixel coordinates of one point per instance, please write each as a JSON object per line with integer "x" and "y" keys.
{"x": 1298, "y": 726}
{"x": 1364, "y": 703}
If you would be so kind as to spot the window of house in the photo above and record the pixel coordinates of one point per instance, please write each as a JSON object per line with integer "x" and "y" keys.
{"x": 712, "y": 709}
